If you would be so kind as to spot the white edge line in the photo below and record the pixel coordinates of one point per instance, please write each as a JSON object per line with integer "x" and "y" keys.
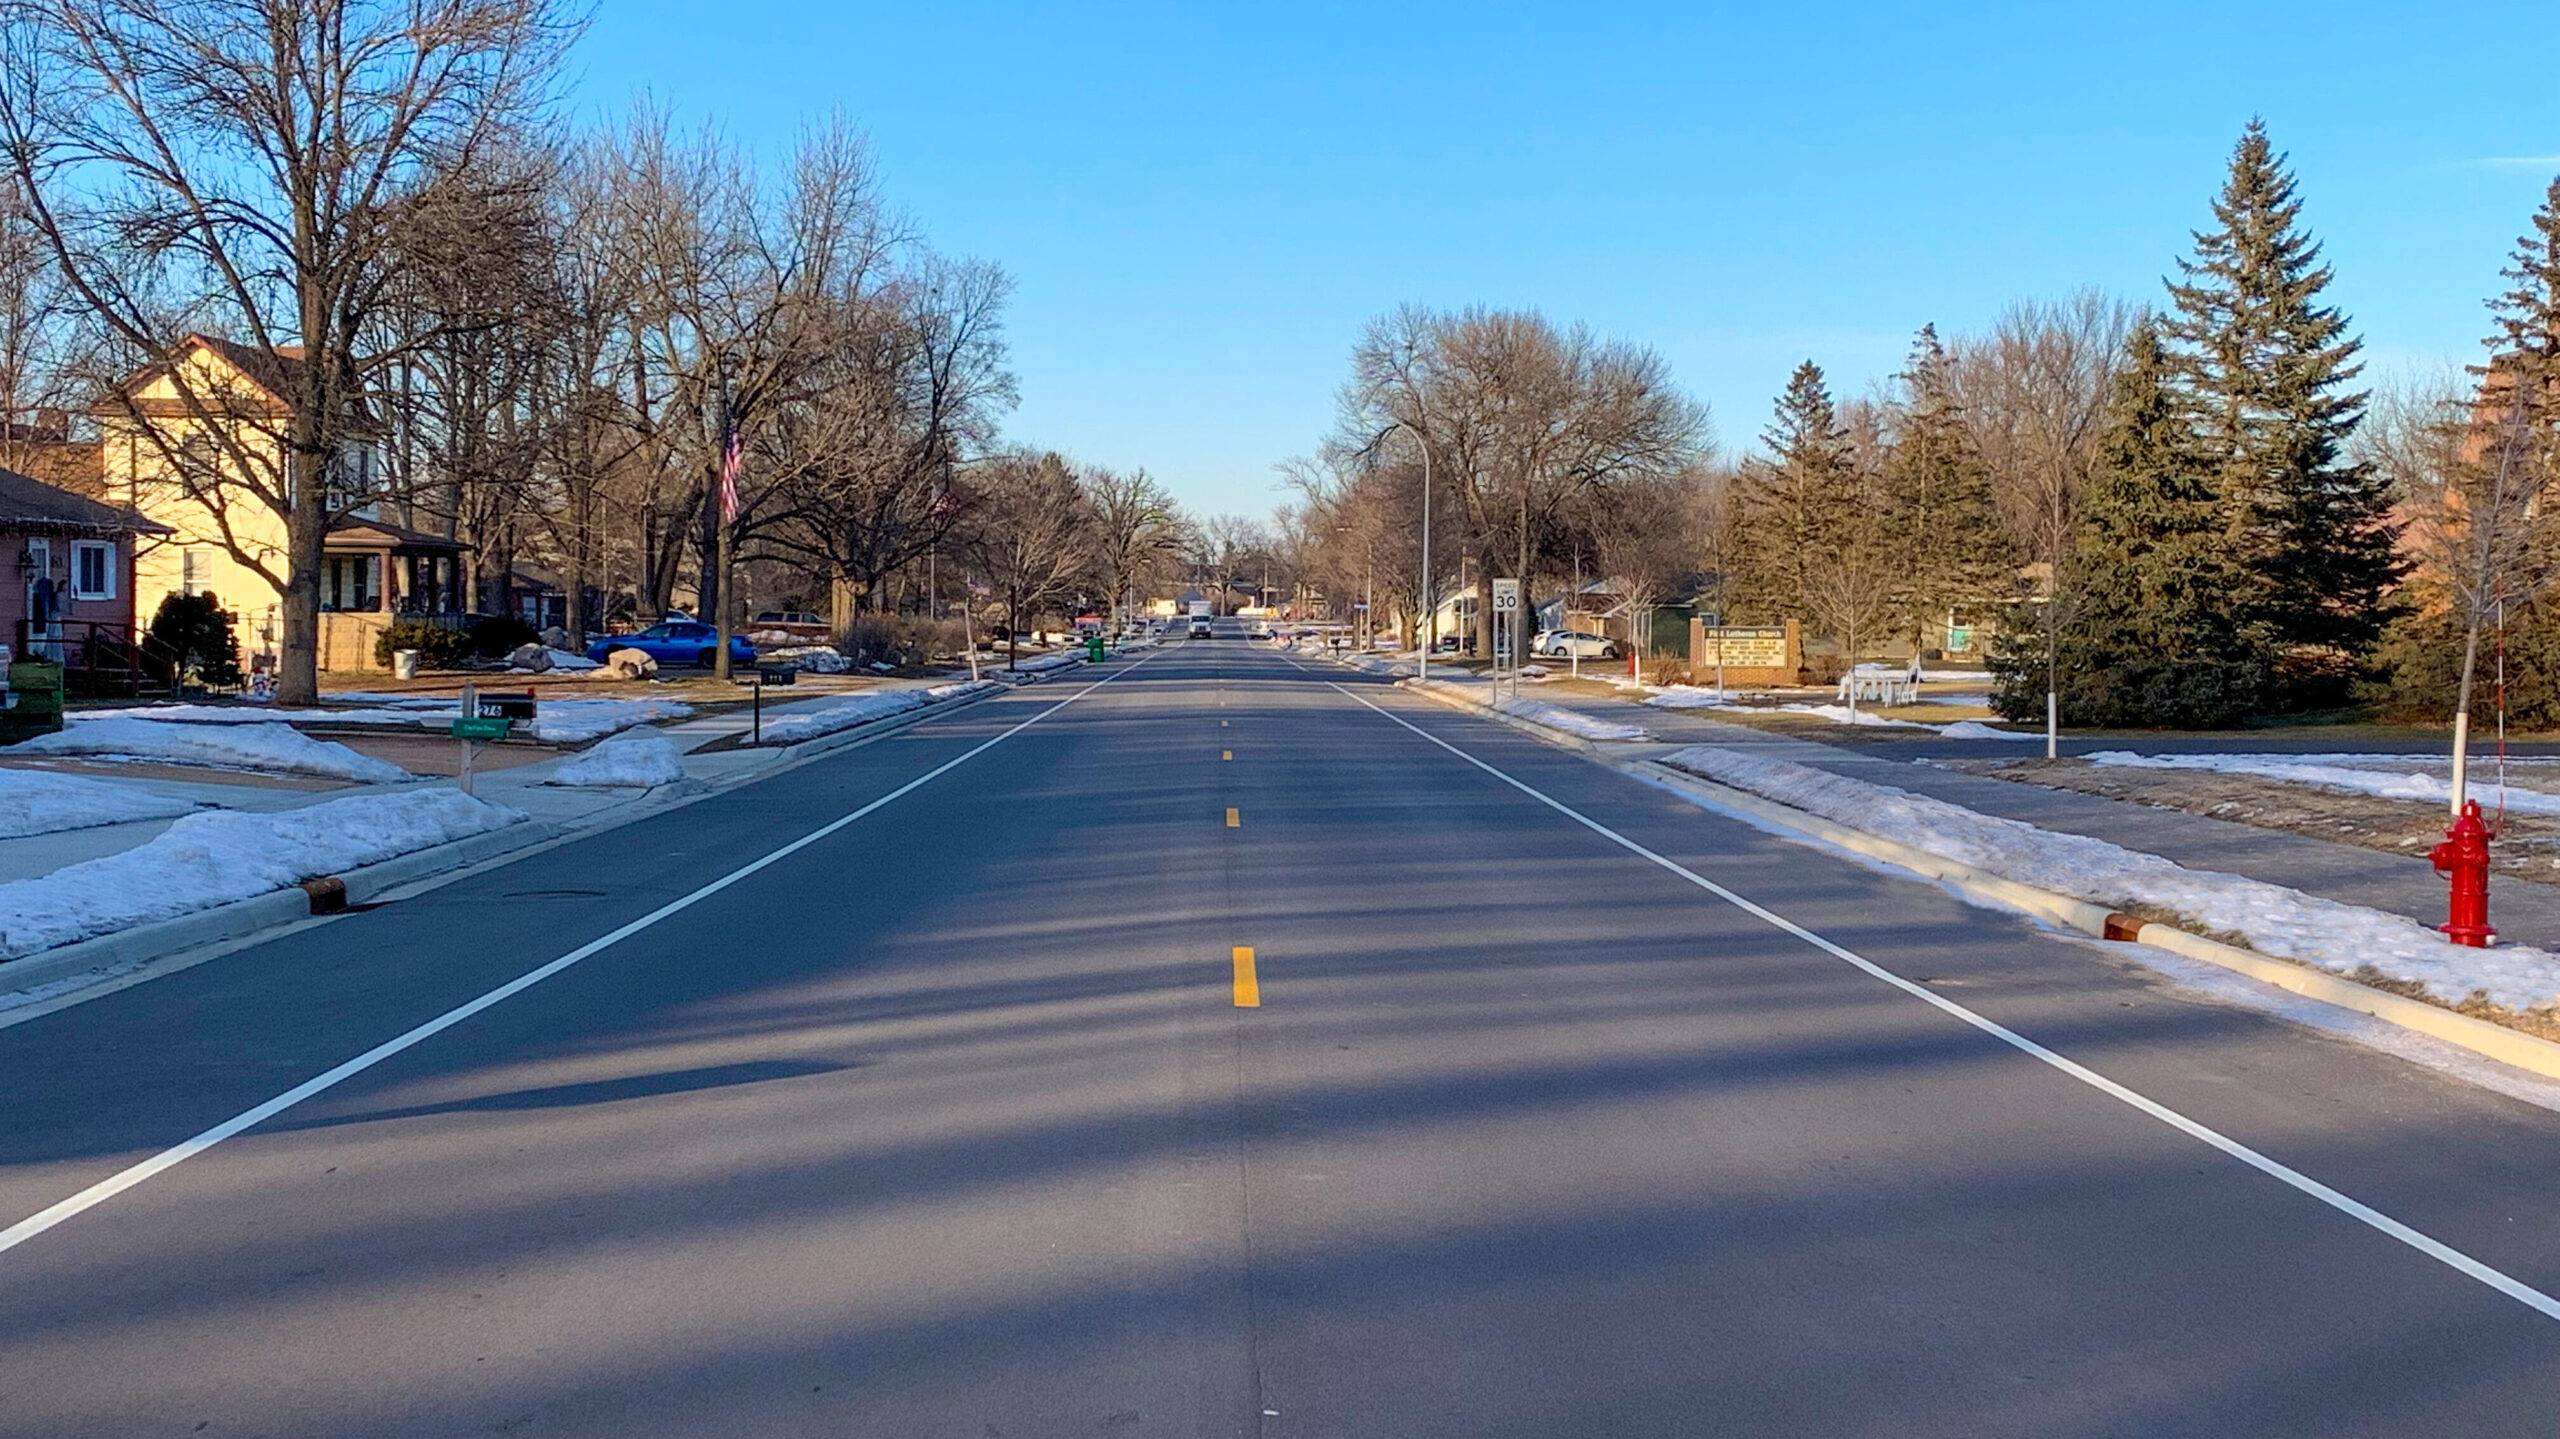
{"x": 115, "y": 1184}
{"x": 2355, "y": 1209}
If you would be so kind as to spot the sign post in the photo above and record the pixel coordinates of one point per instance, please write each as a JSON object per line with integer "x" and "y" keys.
{"x": 1506, "y": 633}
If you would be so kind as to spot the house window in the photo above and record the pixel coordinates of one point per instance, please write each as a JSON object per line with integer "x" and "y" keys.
{"x": 93, "y": 570}
{"x": 351, "y": 582}
{"x": 195, "y": 570}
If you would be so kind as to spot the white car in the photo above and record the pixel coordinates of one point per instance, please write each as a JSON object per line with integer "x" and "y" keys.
{"x": 1564, "y": 644}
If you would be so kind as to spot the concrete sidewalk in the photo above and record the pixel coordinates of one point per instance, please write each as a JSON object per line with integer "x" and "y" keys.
{"x": 2524, "y": 912}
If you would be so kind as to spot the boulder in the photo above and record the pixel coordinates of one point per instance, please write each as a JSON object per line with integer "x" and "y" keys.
{"x": 532, "y": 658}
{"x": 555, "y": 638}
{"x": 631, "y": 664}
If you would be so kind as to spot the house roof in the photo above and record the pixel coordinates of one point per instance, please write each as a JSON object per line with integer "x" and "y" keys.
{"x": 356, "y": 532}
{"x": 273, "y": 376}
{"x": 78, "y": 466}
{"x": 31, "y": 504}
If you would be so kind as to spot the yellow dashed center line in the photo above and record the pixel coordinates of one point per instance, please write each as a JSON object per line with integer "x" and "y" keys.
{"x": 1226, "y": 754}
{"x": 1234, "y": 820}
{"x": 1248, "y": 986}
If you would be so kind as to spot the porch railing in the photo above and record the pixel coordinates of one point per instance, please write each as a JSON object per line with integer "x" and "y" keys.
{"x": 100, "y": 657}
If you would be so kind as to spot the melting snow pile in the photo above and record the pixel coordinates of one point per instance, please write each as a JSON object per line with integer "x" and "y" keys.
{"x": 640, "y": 759}
{"x": 261, "y": 748}
{"x": 388, "y": 717}
{"x": 2340, "y": 938}
{"x": 2383, "y": 776}
{"x": 1041, "y": 664}
{"x": 816, "y": 659}
{"x": 1537, "y": 712}
{"x": 214, "y": 858}
{"x": 862, "y": 709}
{"x": 578, "y": 721}
{"x": 1702, "y": 697}
{"x": 33, "y": 802}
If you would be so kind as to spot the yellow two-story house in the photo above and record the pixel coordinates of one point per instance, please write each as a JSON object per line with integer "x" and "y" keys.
{"x": 161, "y": 459}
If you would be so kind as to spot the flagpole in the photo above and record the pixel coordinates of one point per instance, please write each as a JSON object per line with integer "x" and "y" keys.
{"x": 732, "y": 458}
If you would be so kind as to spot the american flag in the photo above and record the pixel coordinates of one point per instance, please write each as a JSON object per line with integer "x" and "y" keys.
{"x": 730, "y": 457}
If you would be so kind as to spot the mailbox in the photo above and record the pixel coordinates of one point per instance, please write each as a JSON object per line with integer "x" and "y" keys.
{"x": 505, "y": 706}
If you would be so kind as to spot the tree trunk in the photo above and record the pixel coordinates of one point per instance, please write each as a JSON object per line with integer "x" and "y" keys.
{"x": 298, "y": 644}
{"x": 709, "y": 539}
{"x": 1484, "y": 600}
{"x": 724, "y": 605}
{"x": 840, "y": 602}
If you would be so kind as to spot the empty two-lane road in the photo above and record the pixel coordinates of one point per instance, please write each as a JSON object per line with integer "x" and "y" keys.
{"x": 1215, "y": 1044}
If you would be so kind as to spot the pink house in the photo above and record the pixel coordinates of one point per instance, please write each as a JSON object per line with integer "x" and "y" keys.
{"x": 66, "y": 576}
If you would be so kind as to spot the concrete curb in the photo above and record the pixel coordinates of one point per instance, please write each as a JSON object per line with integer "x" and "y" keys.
{"x": 110, "y": 955}
{"x": 2493, "y": 1041}
{"x": 1566, "y": 738}
{"x": 144, "y": 943}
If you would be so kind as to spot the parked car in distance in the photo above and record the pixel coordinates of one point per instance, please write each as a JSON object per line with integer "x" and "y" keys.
{"x": 799, "y": 624}
{"x": 677, "y": 642}
{"x": 1563, "y": 644}
{"x": 1201, "y": 628}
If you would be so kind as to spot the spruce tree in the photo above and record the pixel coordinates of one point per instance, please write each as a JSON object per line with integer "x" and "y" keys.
{"x": 2524, "y": 342}
{"x": 1937, "y": 494}
{"x": 2269, "y": 372}
{"x": 2166, "y": 631}
{"x": 1796, "y": 502}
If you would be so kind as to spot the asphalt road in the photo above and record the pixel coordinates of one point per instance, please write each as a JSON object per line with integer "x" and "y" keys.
{"x": 948, "y": 1122}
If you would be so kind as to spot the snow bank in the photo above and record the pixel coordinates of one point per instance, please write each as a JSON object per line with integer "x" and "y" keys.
{"x": 1976, "y": 729}
{"x": 33, "y": 802}
{"x": 1701, "y": 697}
{"x": 406, "y": 716}
{"x": 1042, "y": 664}
{"x": 862, "y": 709}
{"x": 577, "y": 721}
{"x": 1537, "y": 712}
{"x": 816, "y": 659}
{"x": 269, "y": 748}
{"x": 215, "y": 858}
{"x": 640, "y": 759}
{"x": 2323, "y": 933}
{"x": 2382, "y": 776}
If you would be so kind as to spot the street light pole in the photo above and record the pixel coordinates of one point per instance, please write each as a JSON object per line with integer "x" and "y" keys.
{"x": 1430, "y": 617}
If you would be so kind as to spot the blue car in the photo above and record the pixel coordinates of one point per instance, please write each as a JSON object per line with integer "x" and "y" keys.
{"x": 677, "y": 642}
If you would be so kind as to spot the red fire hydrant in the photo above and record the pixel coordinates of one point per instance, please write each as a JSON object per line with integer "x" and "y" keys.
{"x": 2464, "y": 859}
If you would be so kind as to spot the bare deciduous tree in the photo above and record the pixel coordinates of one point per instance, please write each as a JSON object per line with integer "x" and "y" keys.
{"x": 247, "y": 167}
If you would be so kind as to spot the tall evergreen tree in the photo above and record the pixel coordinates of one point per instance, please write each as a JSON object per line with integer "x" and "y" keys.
{"x": 1937, "y": 494}
{"x": 2524, "y": 342}
{"x": 2269, "y": 372}
{"x": 1795, "y": 504}
{"x": 2166, "y": 632}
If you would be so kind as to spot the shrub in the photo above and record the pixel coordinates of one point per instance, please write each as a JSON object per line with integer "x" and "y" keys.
{"x": 191, "y": 634}
{"x": 1668, "y": 670}
{"x": 499, "y": 634}
{"x": 437, "y": 647}
{"x": 900, "y": 639}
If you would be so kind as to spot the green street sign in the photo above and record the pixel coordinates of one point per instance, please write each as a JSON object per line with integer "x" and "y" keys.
{"x": 476, "y": 727}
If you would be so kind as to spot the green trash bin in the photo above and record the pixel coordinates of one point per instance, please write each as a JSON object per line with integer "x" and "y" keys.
{"x": 1093, "y": 648}
{"x": 35, "y": 688}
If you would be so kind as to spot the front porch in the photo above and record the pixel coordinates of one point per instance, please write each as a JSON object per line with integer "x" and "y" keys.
{"x": 375, "y": 573}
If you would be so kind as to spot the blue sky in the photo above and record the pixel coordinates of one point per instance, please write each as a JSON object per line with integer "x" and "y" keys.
{"x": 1201, "y": 204}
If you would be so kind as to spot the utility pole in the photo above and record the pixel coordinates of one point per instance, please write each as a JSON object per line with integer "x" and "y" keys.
{"x": 1430, "y": 626}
